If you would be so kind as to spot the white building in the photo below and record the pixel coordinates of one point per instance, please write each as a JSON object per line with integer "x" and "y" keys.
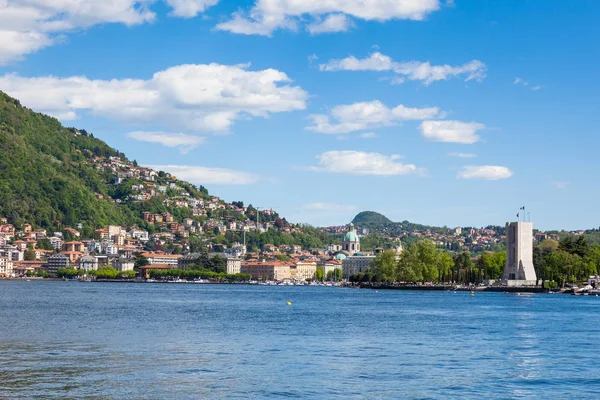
{"x": 123, "y": 264}
{"x": 168, "y": 259}
{"x": 88, "y": 263}
{"x": 519, "y": 270}
{"x": 6, "y": 266}
{"x": 140, "y": 235}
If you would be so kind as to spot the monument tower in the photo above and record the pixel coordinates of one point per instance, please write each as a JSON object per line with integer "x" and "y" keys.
{"x": 519, "y": 269}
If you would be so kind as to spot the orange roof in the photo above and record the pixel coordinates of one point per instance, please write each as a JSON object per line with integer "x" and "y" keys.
{"x": 157, "y": 266}
{"x": 158, "y": 255}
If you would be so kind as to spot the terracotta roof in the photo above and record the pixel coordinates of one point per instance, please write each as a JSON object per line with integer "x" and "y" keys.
{"x": 157, "y": 266}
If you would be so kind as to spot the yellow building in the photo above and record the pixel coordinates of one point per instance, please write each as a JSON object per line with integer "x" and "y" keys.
{"x": 272, "y": 271}
{"x": 304, "y": 270}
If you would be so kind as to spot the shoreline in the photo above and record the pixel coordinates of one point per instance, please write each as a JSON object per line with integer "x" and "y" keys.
{"x": 490, "y": 289}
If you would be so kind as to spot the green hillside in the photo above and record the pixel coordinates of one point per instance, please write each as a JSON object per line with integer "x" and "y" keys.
{"x": 371, "y": 218}
{"x": 45, "y": 174}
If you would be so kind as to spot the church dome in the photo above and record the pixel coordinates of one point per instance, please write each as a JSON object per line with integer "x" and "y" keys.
{"x": 351, "y": 236}
{"x": 340, "y": 256}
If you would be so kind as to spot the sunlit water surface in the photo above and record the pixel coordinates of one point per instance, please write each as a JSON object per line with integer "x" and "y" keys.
{"x": 187, "y": 341}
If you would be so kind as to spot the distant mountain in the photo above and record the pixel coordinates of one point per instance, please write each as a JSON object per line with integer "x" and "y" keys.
{"x": 371, "y": 218}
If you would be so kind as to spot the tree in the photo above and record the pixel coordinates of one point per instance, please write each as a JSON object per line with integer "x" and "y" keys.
{"x": 385, "y": 266}
{"x": 409, "y": 266}
{"x": 68, "y": 236}
{"x": 217, "y": 264}
{"x": 319, "y": 274}
{"x": 68, "y": 273}
{"x": 45, "y": 244}
{"x": 29, "y": 255}
{"x": 445, "y": 265}
{"x": 140, "y": 261}
{"x": 550, "y": 244}
{"x": 282, "y": 257}
{"x": 335, "y": 275}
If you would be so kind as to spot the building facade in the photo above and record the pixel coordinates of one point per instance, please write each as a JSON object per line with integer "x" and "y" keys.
{"x": 88, "y": 263}
{"x": 156, "y": 258}
{"x": 272, "y": 271}
{"x": 6, "y": 267}
{"x": 57, "y": 261}
{"x": 354, "y": 264}
{"x": 304, "y": 270}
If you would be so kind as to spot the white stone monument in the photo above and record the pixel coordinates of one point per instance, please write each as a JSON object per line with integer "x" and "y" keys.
{"x": 519, "y": 269}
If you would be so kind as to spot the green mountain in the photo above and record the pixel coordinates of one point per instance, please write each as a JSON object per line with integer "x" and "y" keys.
{"x": 45, "y": 174}
{"x": 51, "y": 175}
{"x": 371, "y": 218}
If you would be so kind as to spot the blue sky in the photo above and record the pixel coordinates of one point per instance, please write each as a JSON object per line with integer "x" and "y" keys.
{"x": 438, "y": 112}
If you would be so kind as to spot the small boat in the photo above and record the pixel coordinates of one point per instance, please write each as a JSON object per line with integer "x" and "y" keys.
{"x": 472, "y": 293}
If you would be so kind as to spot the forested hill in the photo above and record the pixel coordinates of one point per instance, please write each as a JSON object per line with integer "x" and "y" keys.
{"x": 371, "y": 218}
{"x": 53, "y": 176}
{"x": 45, "y": 173}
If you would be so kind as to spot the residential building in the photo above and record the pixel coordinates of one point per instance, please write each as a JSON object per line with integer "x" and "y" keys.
{"x": 304, "y": 270}
{"x": 123, "y": 264}
{"x": 355, "y": 264}
{"x": 140, "y": 235}
{"x": 158, "y": 258}
{"x": 57, "y": 261}
{"x": 20, "y": 268}
{"x": 6, "y": 267}
{"x": 273, "y": 271}
{"x": 88, "y": 263}
{"x": 73, "y": 246}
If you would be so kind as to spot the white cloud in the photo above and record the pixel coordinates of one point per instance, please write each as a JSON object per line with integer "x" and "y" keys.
{"x": 13, "y": 45}
{"x": 487, "y": 172}
{"x": 519, "y": 81}
{"x": 189, "y": 8}
{"x": 451, "y": 131}
{"x": 368, "y": 135}
{"x": 412, "y": 70}
{"x": 30, "y": 25}
{"x": 209, "y": 176}
{"x": 367, "y": 115}
{"x": 329, "y": 207}
{"x": 267, "y": 16}
{"x": 193, "y": 98}
{"x": 362, "y": 163}
{"x": 462, "y": 155}
{"x": 332, "y": 23}
{"x": 185, "y": 143}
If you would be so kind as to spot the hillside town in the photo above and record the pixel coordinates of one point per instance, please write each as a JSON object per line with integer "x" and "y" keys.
{"x": 178, "y": 239}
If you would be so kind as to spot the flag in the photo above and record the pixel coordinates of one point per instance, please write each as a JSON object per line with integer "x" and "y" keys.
{"x": 522, "y": 208}
{"x": 517, "y": 215}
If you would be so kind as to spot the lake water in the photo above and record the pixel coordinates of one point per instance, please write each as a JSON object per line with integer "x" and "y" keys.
{"x": 184, "y": 341}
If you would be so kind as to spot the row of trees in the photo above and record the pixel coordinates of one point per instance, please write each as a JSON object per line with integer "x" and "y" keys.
{"x": 424, "y": 262}
{"x": 106, "y": 272}
{"x": 198, "y": 274}
{"x": 570, "y": 260}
